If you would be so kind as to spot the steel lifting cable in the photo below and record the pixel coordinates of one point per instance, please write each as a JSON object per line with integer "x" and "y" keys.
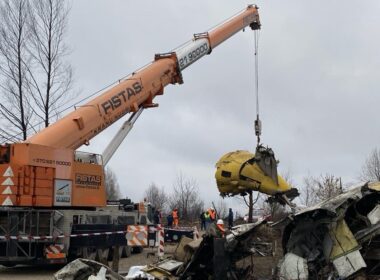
{"x": 257, "y": 121}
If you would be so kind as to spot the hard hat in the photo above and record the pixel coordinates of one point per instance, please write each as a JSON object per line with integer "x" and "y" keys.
{"x": 212, "y": 209}
{"x": 220, "y": 222}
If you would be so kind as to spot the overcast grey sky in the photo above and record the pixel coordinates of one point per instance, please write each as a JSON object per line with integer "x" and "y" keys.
{"x": 318, "y": 68}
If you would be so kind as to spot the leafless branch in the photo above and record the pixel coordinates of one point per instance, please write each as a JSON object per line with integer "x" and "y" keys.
{"x": 47, "y": 48}
{"x": 157, "y": 197}
{"x": 371, "y": 167}
{"x": 111, "y": 185}
{"x": 186, "y": 198}
{"x": 14, "y": 32}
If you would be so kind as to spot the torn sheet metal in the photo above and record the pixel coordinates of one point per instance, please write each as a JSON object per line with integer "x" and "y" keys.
{"x": 159, "y": 273}
{"x": 332, "y": 204}
{"x": 293, "y": 267}
{"x": 340, "y": 235}
{"x": 81, "y": 269}
{"x": 243, "y": 229}
{"x": 349, "y": 264}
{"x": 374, "y": 215}
{"x": 170, "y": 265}
{"x": 343, "y": 239}
{"x": 72, "y": 269}
{"x": 100, "y": 276}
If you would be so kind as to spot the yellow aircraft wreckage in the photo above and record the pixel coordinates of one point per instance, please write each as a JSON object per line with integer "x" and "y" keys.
{"x": 241, "y": 172}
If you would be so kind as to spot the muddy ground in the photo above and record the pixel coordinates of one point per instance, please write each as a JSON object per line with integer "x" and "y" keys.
{"x": 47, "y": 272}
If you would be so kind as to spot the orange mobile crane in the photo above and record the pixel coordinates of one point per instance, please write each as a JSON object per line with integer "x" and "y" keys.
{"x": 50, "y": 192}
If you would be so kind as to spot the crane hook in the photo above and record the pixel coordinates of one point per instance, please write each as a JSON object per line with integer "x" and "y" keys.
{"x": 258, "y": 129}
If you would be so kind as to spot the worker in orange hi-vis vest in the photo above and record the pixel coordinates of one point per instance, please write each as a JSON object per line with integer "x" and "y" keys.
{"x": 175, "y": 217}
{"x": 212, "y": 214}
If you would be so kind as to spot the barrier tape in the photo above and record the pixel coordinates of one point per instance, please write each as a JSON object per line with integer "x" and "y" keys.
{"x": 45, "y": 237}
{"x": 180, "y": 228}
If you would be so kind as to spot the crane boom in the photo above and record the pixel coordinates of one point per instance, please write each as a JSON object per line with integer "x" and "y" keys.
{"x": 139, "y": 89}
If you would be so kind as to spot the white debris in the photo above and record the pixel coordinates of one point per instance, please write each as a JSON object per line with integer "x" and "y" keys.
{"x": 348, "y": 264}
{"x": 136, "y": 273}
{"x": 374, "y": 215}
{"x": 100, "y": 276}
{"x": 293, "y": 267}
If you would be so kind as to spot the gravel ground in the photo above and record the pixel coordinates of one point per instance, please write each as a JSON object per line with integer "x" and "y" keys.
{"x": 47, "y": 272}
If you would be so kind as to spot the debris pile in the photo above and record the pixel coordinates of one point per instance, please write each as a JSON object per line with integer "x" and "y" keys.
{"x": 215, "y": 257}
{"x": 338, "y": 238}
{"x": 83, "y": 269}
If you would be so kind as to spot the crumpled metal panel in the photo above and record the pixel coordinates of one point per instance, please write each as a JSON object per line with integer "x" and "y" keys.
{"x": 170, "y": 265}
{"x": 80, "y": 269}
{"x": 135, "y": 272}
{"x": 293, "y": 267}
{"x": 344, "y": 240}
{"x": 346, "y": 230}
{"x": 348, "y": 264}
{"x": 333, "y": 204}
{"x": 243, "y": 229}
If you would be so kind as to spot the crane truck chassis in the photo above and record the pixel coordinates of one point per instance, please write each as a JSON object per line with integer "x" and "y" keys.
{"x": 52, "y": 198}
{"x": 50, "y": 236}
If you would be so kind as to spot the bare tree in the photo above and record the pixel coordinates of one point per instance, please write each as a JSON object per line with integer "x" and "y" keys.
{"x": 111, "y": 185}
{"x": 328, "y": 186}
{"x": 273, "y": 209}
{"x": 15, "y": 107}
{"x": 185, "y": 198}
{"x": 51, "y": 77}
{"x": 371, "y": 167}
{"x": 321, "y": 188}
{"x": 34, "y": 78}
{"x": 308, "y": 197}
{"x": 157, "y": 197}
